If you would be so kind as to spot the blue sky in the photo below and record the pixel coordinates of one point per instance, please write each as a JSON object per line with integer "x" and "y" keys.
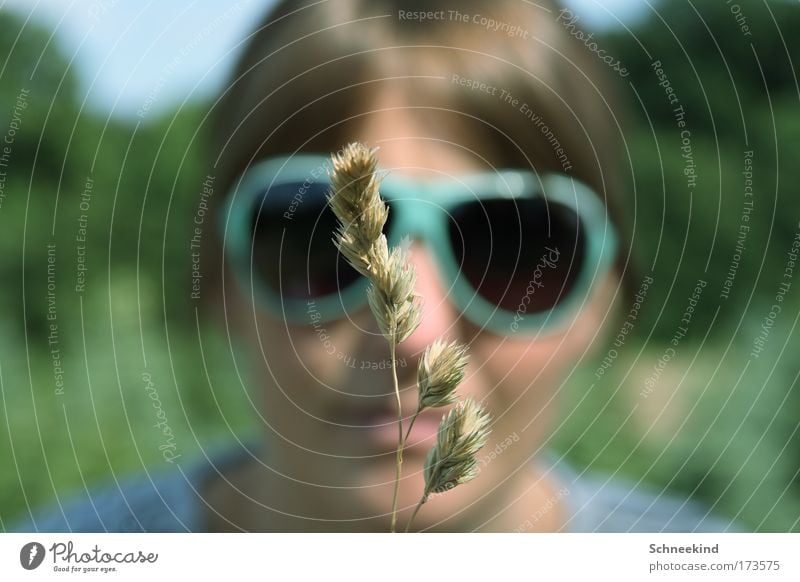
{"x": 133, "y": 54}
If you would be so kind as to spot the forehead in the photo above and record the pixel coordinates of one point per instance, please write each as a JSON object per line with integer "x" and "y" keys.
{"x": 419, "y": 140}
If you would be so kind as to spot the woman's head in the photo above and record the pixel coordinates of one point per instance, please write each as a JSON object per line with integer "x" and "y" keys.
{"x": 445, "y": 90}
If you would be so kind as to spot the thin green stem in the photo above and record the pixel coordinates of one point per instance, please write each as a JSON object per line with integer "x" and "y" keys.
{"x": 400, "y": 440}
{"x": 416, "y": 511}
{"x": 410, "y": 426}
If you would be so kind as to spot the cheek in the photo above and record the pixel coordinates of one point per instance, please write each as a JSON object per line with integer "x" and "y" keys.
{"x": 300, "y": 382}
{"x": 307, "y": 372}
{"x": 511, "y": 367}
{"x": 520, "y": 380}
{"x": 299, "y": 356}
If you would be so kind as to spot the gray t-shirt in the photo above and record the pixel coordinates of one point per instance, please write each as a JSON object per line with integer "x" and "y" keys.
{"x": 171, "y": 501}
{"x": 600, "y": 503}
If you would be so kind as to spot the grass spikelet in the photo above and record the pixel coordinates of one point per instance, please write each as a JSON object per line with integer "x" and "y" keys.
{"x": 362, "y": 215}
{"x": 440, "y": 371}
{"x": 451, "y": 462}
{"x": 356, "y": 202}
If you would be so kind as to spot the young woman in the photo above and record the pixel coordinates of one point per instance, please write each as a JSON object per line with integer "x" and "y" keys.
{"x": 498, "y": 150}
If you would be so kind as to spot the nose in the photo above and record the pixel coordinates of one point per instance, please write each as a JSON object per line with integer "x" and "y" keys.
{"x": 439, "y": 315}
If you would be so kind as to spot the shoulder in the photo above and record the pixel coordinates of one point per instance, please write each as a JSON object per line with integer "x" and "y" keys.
{"x": 600, "y": 503}
{"x": 165, "y": 500}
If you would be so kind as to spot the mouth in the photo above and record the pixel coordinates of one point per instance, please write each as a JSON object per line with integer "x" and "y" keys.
{"x": 378, "y": 427}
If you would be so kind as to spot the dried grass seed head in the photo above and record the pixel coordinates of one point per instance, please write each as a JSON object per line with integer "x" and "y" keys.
{"x": 462, "y": 433}
{"x": 356, "y": 202}
{"x": 441, "y": 370}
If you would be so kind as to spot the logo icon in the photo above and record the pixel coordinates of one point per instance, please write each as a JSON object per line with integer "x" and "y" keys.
{"x": 31, "y": 555}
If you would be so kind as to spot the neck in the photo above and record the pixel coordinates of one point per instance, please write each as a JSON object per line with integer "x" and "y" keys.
{"x": 533, "y": 502}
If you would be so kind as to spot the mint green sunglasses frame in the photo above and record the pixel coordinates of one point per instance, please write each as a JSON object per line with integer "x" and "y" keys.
{"x": 420, "y": 210}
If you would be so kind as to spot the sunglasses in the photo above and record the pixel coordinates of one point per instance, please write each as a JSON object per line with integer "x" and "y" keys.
{"x": 518, "y": 252}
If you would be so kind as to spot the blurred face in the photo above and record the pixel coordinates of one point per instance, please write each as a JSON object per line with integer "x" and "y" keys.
{"x": 328, "y": 394}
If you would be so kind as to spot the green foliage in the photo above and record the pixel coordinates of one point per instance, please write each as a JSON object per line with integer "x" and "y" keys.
{"x": 735, "y": 448}
{"x": 118, "y": 198}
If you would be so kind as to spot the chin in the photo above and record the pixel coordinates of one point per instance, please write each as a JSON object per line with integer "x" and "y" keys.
{"x": 442, "y": 511}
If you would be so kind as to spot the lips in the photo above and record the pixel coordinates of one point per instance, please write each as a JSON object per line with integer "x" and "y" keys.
{"x": 378, "y": 427}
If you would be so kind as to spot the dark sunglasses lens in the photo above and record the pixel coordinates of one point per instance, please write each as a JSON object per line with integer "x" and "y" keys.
{"x": 512, "y": 249}
{"x": 293, "y": 250}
